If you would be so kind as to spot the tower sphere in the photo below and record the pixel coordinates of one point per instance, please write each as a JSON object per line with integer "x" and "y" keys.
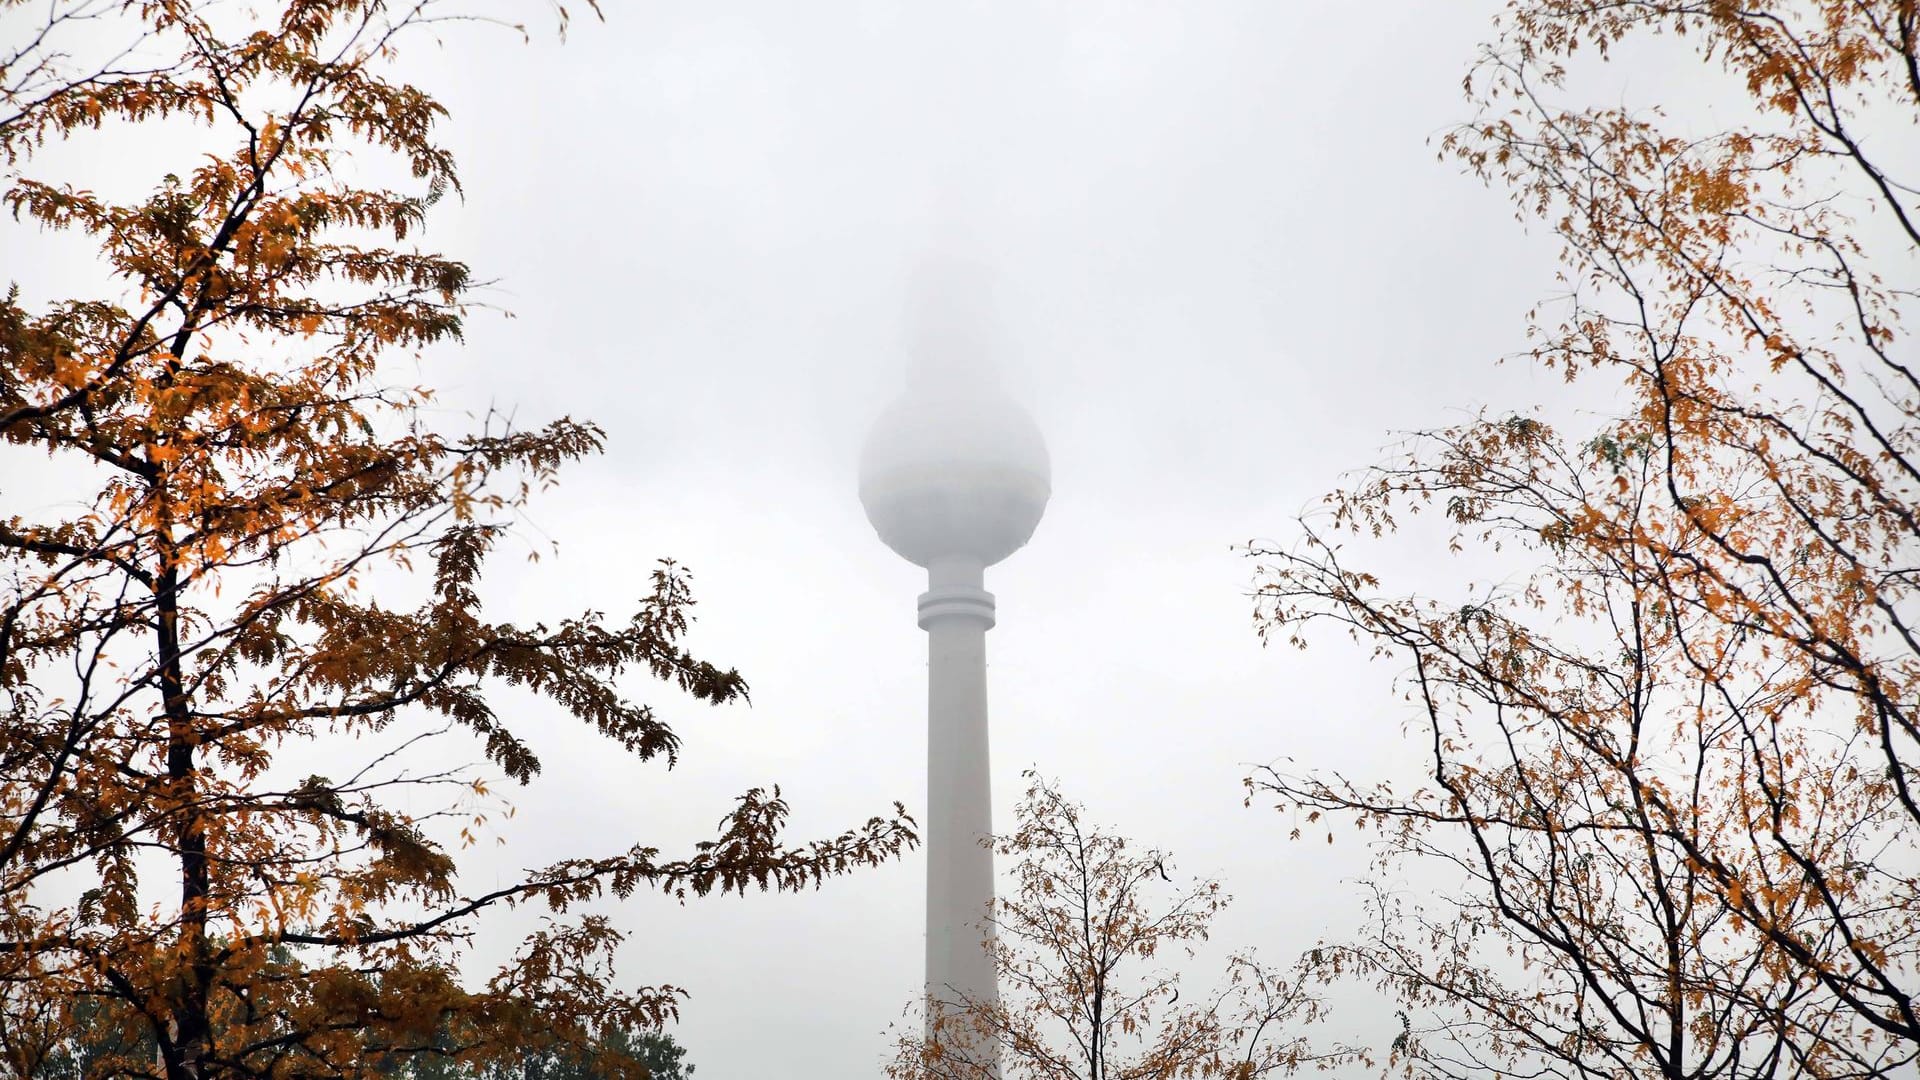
{"x": 954, "y": 472}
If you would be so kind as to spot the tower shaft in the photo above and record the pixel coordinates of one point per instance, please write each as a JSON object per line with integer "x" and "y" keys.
{"x": 957, "y": 612}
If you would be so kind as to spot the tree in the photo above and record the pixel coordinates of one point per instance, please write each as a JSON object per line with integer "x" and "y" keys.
{"x": 95, "y": 1038}
{"x": 1087, "y": 914}
{"x": 83, "y": 1046}
{"x": 654, "y": 1051}
{"x": 1672, "y": 759}
{"x": 264, "y": 544}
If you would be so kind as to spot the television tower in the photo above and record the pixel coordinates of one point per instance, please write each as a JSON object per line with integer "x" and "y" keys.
{"x": 954, "y": 478}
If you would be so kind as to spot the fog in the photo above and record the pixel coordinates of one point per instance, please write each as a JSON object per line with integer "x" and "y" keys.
{"x": 1227, "y": 266}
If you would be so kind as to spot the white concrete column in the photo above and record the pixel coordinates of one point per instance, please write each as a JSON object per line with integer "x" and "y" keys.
{"x": 957, "y": 612}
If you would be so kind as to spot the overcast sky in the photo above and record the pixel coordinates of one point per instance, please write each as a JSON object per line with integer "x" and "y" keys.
{"x": 1229, "y": 267}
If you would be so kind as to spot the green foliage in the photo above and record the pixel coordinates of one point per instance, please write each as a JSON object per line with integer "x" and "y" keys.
{"x": 615, "y": 1050}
